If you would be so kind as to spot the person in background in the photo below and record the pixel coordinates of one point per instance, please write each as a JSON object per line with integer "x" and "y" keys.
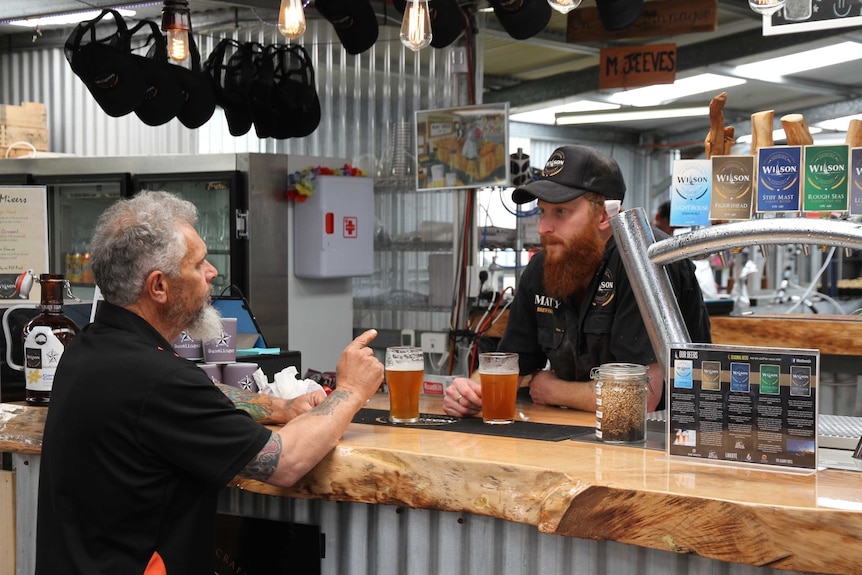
{"x": 662, "y": 218}
{"x": 702, "y": 268}
{"x": 138, "y": 441}
{"x": 574, "y": 308}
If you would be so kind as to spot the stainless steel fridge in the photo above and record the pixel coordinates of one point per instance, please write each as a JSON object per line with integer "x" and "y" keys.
{"x": 240, "y": 199}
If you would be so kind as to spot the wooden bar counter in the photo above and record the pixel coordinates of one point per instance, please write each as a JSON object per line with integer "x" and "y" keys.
{"x": 584, "y": 489}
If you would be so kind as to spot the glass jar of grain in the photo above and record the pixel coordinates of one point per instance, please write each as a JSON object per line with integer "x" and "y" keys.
{"x": 621, "y": 393}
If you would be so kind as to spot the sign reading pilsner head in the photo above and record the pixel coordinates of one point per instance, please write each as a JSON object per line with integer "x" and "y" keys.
{"x": 354, "y": 22}
{"x": 447, "y": 20}
{"x": 105, "y": 64}
{"x": 522, "y": 19}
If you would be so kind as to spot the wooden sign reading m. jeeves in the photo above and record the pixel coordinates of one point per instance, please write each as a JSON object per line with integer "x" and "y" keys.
{"x": 637, "y": 66}
{"x": 659, "y": 18}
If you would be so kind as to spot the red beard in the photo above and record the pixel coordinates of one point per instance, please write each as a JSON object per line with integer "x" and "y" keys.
{"x": 569, "y": 272}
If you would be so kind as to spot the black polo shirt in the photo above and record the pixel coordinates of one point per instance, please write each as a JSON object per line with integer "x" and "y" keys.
{"x": 137, "y": 444}
{"x": 607, "y": 326}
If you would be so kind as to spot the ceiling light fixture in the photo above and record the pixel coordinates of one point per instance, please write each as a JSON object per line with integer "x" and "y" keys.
{"x": 564, "y": 6}
{"x": 177, "y": 25}
{"x": 636, "y": 115}
{"x": 777, "y": 135}
{"x": 64, "y": 19}
{"x": 548, "y": 114}
{"x": 663, "y": 93}
{"x": 841, "y": 124}
{"x": 291, "y": 19}
{"x": 416, "y": 25}
{"x": 766, "y": 7}
{"x": 801, "y": 61}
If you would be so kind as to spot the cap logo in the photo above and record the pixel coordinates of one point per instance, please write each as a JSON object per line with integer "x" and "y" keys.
{"x": 511, "y": 5}
{"x": 108, "y": 81}
{"x": 554, "y": 165}
{"x": 343, "y": 23}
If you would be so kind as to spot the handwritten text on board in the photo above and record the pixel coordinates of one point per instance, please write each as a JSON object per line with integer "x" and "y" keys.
{"x": 637, "y": 66}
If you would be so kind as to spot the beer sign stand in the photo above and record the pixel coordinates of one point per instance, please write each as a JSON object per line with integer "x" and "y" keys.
{"x": 747, "y": 406}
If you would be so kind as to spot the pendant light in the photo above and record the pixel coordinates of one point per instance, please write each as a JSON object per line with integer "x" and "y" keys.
{"x": 291, "y": 19}
{"x": 176, "y": 24}
{"x": 416, "y": 25}
{"x": 564, "y": 6}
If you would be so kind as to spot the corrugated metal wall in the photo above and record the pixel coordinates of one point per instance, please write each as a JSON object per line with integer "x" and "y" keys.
{"x": 362, "y": 539}
{"x": 363, "y": 99}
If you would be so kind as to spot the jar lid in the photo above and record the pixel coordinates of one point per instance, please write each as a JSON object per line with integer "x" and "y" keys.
{"x": 618, "y": 369}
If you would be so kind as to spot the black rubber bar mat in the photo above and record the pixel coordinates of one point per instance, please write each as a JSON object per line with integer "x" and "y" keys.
{"x": 518, "y": 429}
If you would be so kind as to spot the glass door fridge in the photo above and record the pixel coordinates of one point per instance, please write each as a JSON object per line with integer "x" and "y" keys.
{"x": 222, "y": 212}
{"x": 75, "y": 202}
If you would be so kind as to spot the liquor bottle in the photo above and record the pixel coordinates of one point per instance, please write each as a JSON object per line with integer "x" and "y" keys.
{"x": 45, "y": 338}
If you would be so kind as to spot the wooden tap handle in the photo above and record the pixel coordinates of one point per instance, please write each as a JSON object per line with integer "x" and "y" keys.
{"x": 854, "y": 134}
{"x": 761, "y": 130}
{"x": 796, "y": 130}
{"x": 715, "y": 139}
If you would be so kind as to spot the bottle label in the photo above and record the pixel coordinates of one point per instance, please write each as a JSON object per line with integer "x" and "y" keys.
{"x": 42, "y": 352}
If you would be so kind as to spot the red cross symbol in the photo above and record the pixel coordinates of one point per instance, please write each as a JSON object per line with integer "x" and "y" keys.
{"x": 350, "y": 227}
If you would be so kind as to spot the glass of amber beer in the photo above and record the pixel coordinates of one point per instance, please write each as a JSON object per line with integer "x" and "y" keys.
{"x": 405, "y": 370}
{"x": 498, "y": 374}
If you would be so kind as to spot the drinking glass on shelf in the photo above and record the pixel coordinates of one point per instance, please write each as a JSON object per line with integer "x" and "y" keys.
{"x": 498, "y": 373}
{"x": 405, "y": 370}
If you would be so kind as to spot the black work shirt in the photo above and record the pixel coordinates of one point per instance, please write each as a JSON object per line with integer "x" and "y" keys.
{"x": 605, "y": 327}
{"x": 137, "y": 444}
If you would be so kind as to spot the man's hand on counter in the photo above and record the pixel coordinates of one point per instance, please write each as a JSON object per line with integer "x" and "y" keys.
{"x": 548, "y": 389}
{"x": 463, "y": 398}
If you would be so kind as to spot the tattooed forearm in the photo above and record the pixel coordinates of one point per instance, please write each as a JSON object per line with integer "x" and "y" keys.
{"x": 328, "y": 406}
{"x": 264, "y": 464}
{"x": 259, "y": 406}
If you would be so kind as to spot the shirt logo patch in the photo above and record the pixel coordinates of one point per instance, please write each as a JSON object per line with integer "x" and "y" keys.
{"x": 605, "y": 292}
{"x": 545, "y": 304}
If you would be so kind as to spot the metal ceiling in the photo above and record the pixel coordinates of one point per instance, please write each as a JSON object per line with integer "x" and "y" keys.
{"x": 546, "y": 69}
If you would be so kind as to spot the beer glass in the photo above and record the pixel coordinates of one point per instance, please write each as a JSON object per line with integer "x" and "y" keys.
{"x": 498, "y": 374}
{"x": 405, "y": 370}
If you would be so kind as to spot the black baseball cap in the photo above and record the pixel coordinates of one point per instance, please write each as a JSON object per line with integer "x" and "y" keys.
{"x": 354, "y": 22}
{"x": 522, "y": 19}
{"x": 105, "y": 63}
{"x": 229, "y": 69}
{"x": 198, "y": 98}
{"x": 619, "y": 14}
{"x": 163, "y": 96}
{"x": 572, "y": 171}
{"x": 447, "y": 20}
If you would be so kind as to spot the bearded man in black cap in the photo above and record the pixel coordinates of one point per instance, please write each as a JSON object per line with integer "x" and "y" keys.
{"x": 574, "y": 307}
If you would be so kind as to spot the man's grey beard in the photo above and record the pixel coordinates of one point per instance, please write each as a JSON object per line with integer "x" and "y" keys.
{"x": 206, "y": 325}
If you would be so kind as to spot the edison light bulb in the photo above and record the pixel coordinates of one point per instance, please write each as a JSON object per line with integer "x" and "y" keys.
{"x": 766, "y": 7}
{"x": 291, "y": 19}
{"x": 178, "y": 44}
{"x": 416, "y": 26}
{"x": 176, "y": 24}
{"x": 564, "y": 6}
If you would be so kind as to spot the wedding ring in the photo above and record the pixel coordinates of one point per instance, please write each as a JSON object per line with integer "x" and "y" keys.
{"x": 459, "y": 399}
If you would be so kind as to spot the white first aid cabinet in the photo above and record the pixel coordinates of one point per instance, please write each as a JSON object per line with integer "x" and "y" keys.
{"x": 333, "y": 230}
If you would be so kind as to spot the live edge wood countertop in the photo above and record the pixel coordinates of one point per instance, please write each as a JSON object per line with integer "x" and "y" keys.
{"x": 797, "y": 522}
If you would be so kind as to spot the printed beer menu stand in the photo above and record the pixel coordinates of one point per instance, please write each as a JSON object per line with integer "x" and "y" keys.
{"x": 745, "y": 405}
